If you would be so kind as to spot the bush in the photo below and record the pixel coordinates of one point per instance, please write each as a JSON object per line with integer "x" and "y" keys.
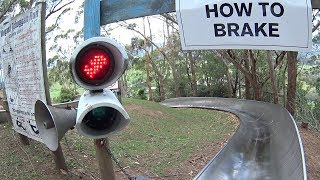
{"x": 217, "y": 90}
{"x": 67, "y": 94}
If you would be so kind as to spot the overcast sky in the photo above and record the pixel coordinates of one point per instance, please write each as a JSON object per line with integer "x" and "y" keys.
{"x": 119, "y": 33}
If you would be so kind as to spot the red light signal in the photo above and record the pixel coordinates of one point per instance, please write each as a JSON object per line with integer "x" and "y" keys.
{"x": 98, "y": 62}
{"x": 94, "y": 65}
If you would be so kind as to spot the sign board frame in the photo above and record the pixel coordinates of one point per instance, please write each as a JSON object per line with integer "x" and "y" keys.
{"x": 22, "y": 41}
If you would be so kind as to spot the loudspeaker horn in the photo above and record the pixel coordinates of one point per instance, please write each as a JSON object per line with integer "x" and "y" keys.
{"x": 53, "y": 123}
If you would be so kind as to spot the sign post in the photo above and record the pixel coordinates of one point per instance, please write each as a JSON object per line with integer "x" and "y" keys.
{"x": 92, "y": 29}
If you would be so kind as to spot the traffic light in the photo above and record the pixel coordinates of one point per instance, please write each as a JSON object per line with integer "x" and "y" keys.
{"x": 98, "y": 62}
{"x": 95, "y": 65}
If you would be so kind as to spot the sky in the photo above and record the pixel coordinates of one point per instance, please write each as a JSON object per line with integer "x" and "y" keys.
{"x": 120, "y": 34}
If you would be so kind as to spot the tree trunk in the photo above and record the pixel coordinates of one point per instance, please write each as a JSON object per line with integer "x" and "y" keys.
{"x": 175, "y": 78}
{"x": 292, "y": 81}
{"x": 239, "y": 88}
{"x": 206, "y": 76}
{"x": 247, "y": 81}
{"x": 283, "y": 83}
{"x": 237, "y": 81}
{"x": 255, "y": 84}
{"x": 124, "y": 86}
{"x": 193, "y": 75}
{"x": 147, "y": 65}
{"x": 161, "y": 89}
{"x": 149, "y": 79}
{"x": 228, "y": 80}
{"x": 273, "y": 79}
{"x": 173, "y": 69}
{"x": 160, "y": 78}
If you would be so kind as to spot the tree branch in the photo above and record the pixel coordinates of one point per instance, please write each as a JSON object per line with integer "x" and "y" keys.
{"x": 279, "y": 59}
{"x": 167, "y": 16}
{"x": 148, "y": 39}
{"x": 229, "y": 56}
{"x": 7, "y": 9}
{"x": 54, "y": 10}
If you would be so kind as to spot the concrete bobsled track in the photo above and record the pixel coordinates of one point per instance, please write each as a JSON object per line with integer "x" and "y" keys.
{"x": 266, "y": 145}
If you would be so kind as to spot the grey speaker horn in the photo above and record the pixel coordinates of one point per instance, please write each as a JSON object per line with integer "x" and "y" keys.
{"x": 53, "y": 123}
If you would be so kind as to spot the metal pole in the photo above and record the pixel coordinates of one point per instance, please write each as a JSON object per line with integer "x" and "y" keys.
{"x": 92, "y": 29}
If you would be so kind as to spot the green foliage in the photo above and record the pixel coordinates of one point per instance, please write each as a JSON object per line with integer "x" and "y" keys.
{"x": 308, "y": 108}
{"x": 318, "y": 86}
{"x": 136, "y": 81}
{"x": 59, "y": 74}
{"x": 142, "y": 94}
{"x": 55, "y": 89}
{"x": 24, "y": 4}
{"x": 67, "y": 94}
{"x": 218, "y": 90}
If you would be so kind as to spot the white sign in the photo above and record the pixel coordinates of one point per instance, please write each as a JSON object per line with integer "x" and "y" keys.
{"x": 114, "y": 86}
{"x": 255, "y": 24}
{"x": 21, "y": 56}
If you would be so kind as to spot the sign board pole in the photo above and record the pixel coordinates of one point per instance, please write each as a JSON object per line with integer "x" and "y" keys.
{"x": 24, "y": 139}
{"x": 92, "y": 29}
{"x": 58, "y": 154}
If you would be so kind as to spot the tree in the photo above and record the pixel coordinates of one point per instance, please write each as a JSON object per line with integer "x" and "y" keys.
{"x": 253, "y": 66}
{"x": 292, "y": 81}
{"x": 6, "y": 7}
{"x": 273, "y": 79}
{"x": 292, "y": 71}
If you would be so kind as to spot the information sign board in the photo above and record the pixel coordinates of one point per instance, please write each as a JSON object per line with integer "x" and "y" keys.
{"x": 21, "y": 56}
{"x": 255, "y": 24}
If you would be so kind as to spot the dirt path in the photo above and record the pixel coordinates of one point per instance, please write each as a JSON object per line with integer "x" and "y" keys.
{"x": 311, "y": 143}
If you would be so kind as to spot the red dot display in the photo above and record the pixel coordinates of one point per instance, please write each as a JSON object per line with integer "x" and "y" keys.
{"x": 94, "y": 64}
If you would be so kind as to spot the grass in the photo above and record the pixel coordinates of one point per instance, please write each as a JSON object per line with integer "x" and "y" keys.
{"x": 15, "y": 162}
{"x": 160, "y": 138}
{"x": 157, "y": 139}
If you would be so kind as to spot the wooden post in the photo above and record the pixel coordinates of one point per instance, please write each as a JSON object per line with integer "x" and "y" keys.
{"x": 24, "y": 140}
{"x": 92, "y": 29}
{"x": 105, "y": 162}
{"x": 5, "y": 106}
{"x": 59, "y": 159}
{"x": 119, "y": 93}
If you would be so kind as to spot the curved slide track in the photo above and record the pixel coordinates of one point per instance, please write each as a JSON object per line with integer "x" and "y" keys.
{"x": 266, "y": 145}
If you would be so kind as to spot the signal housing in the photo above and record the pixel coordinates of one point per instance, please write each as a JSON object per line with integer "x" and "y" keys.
{"x": 117, "y": 57}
